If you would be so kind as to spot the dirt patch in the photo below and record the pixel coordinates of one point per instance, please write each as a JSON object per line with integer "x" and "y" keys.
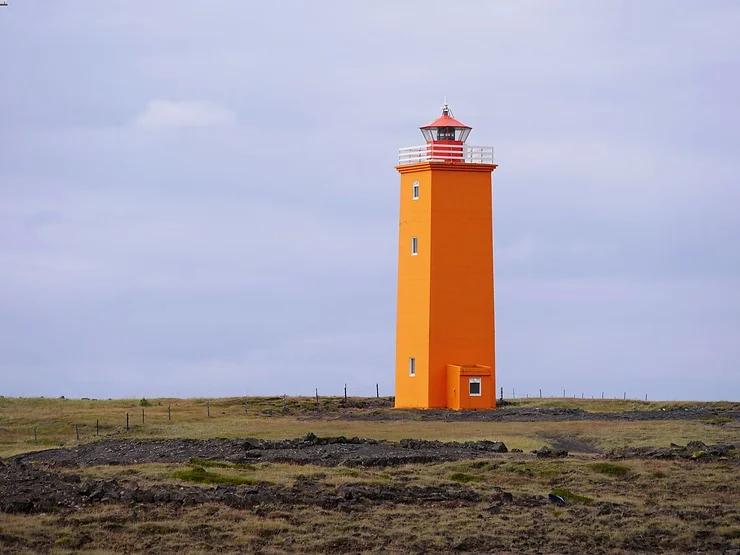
{"x": 570, "y": 443}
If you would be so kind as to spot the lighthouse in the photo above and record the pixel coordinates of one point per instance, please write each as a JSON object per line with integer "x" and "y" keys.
{"x": 445, "y": 331}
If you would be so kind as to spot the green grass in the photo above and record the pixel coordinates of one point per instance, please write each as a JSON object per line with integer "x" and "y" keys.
{"x": 610, "y": 469}
{"x": 200, "y": 475}
{"x": 45, "y": 442}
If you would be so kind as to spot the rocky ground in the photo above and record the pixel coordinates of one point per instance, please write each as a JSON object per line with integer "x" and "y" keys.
{"x": 694, "y": 450}
{"x": 307, "y": 450}
{"x": 473, "y": 497}
{"x": 28, "y": 489}
{"x": 531, "y": 414}
{"x": 29, "y": 483}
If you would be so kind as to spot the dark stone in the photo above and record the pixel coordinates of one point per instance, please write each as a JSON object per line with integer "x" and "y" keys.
{"x": 556, "y": 499}
{"x": 694, "y": 446}
{"x": 546, "y": 453}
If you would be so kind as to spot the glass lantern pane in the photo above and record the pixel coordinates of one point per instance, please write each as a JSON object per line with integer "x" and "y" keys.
{"x": 446, "y": 133}
{"x": 427, "y": 134}
{"x": 462, "y": 133}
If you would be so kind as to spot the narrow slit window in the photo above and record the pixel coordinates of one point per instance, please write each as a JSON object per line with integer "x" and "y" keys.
{"x": 475, "y": 387}
{"x": 415, "y": 190}
{"x": 414, "y": 246}
{"x": 412, "y": 366}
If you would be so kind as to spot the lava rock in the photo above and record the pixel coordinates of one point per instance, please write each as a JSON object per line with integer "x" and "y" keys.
{"x": 546, "y": 453}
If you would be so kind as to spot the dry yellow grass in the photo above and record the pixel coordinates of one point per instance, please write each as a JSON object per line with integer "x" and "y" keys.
{"x": 55, "y": 420}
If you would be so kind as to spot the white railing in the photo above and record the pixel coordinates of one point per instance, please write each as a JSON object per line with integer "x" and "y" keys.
{"x": 445, "y": 153}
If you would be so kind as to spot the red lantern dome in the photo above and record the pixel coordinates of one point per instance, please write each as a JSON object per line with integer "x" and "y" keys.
{"x": 446, "y": 128}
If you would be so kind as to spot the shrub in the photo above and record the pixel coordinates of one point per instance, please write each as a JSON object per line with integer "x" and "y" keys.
{"x": 144, "y": 403}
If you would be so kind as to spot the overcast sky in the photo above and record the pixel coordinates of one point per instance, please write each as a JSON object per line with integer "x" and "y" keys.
{"x": 199, "y": 198}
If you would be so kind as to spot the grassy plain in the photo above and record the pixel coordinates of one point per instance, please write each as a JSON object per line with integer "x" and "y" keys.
{"x": 55, "y": 419}
{"x": 613, "y": 506}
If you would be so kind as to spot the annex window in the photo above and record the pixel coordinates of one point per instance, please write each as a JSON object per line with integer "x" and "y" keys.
{"x": 415, "y": 190}
{"x": 475, "y": 387}
{"x": 412, "y": 366}
{"x": 414, "y": 246}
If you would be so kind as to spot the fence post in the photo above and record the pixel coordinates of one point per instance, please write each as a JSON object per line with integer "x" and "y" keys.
{"x": 97, "y": 427}
{"x": 245, "y": 406}
{"x": 625, "y": 395}
{"x": 502, "y": 393}
{"x": 35, "y": 436}
{"x": 540, "y": 393}
{"x": 169, "y": 413}
{"x": 283, "y": 401}
{"x": 126, "y": 421}
{"x": 345, "y": 392}
{"x": 208, "y": 408}
{"x": 77, "y": 432}
{"x": 563, "y": 394}
{"x": 377, "y": 391}
{"x": 602, "y": 394}
{"x": 142, "y": 417}
{"x": 646, "y": 396}
{"x": 317, "y": 397}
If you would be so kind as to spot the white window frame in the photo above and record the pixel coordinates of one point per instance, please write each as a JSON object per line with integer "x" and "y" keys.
{"x": 471, "y": 381}
{"x": 414, "y": 246}
{"x": 415, "y": 190}
{"x": 412, "y": 367}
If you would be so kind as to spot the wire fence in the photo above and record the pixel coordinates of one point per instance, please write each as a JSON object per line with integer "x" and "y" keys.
{"x": 568, "y": 395}
{"x": 134, "y": 420}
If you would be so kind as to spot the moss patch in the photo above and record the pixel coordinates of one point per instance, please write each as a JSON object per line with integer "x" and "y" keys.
{"x": 200, "y": 475}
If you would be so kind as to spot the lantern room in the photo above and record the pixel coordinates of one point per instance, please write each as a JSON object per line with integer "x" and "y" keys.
{"x": 445, "y": 142}
{"x": 446, "y": 128}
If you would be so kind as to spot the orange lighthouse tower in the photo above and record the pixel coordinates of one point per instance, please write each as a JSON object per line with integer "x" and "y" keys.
{"x": 445, "y": 342}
